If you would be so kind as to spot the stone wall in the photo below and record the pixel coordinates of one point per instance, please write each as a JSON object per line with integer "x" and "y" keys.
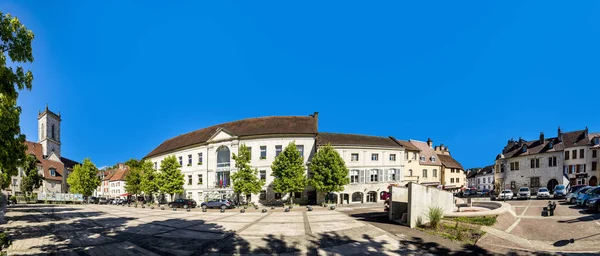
{"x": 421, "y": 198}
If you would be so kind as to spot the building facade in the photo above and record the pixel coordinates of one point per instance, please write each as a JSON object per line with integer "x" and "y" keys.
{"x": 485, "y": 178}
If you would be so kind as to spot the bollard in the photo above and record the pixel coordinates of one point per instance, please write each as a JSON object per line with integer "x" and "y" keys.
{"x": 222, "y": 210}
{"x": 272, "y": 207}
{"x": 310, "y": 209}
{"x": 242, "y": 210}
{"x": 187, "y": 209}
{"x": 162, "y": 207}
{"x": 203, "y": 209}
{"x": 332, "y": 207}
{"x": 151, "y": 207}
{"x": 287, "y": 209}
{"x": 174, "y": 209}
{"x": 264, "y": 210}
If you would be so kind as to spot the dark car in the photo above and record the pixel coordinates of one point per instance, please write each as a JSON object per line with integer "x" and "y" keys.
{"x": 93, "y": 200}
{"x": 182, "y": 203}
{"x": 102, "y": 200}
{"x": 593, "y": 203}
{"x": 217, "y": 203}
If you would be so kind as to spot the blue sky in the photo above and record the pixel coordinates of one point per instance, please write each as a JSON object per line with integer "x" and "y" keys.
{"x": 127, "y": 76}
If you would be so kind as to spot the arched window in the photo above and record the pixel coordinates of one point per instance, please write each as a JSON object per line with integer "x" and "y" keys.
{"x": 43, "y": 133}
{"x": 223, "y": 157}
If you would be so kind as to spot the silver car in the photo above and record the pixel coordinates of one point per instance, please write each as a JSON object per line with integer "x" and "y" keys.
{"x": 560, "y": 191}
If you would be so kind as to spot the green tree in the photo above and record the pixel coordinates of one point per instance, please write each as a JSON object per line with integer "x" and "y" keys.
{"x": 170, "y": 177}
{"x": 32, "y": 179}
{"x": 84, "y": 178}
{"x": 245, "y": 179}
{"x": 148, "y": 183}
{"x": 133, "y": 179}
{"x": 288, "y": 170}
{"x": 328, "y": 171}
{"x": 15, "y": 48}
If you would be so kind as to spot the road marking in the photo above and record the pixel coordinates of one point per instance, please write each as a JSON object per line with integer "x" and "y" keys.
{"x": 513, "y": 226}
{"x": 526, "y": 208}
{"x": 597, "y": 223}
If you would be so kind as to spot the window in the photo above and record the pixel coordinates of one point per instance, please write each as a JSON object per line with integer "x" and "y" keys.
{"x": 451, "y": 180}
{"x": 189, "y": 160}
{"x": 435, "y": 173}
{"x": 501, "y": 167}
{"x": 374, "y": 175}
{"x": 392, "y": 174}
{"x": 596, "y": 141}
{"x": 354, "y": 157}
{"x": 552, "y": 161}
{"x": 513, "y": 185}
{"x": 392, "y": 157}
{"x": 574, "y": 153}
{"x": 374, "y": 157}
{"x": 512, "y": 166}
{"x": 199, "y": 179}
{"x": 300, "y": 149}
{"x": 432, "y": 159}
{"x": 414, "y": 156}
{"x": 535, "y": 163}
{"x": 594, "y": 153}
{"x": 406, "y": 155}
{"x": 550, "y": 145}
{"x": 277, "y": 150}
{"x": 189, "y": 179}
{"x": 263, "y": 195}
{"x": 410, "y": 173}
{"x": 263, "y": 175}
{"x": 155, "y": 166}
{"x": 566, "y": 155}
{"x": 479, "y": 180}
{"x": 53, "y": 172}
{"x": 422, "y": 158}
{"x": 594, "y": 165}
{"x": 524, "y": 149}
{"x": 577, "y": 168}
{"x": 535, "y": 182}
{"x": 199, "y": 158}
{"x": 354, "y": 176}
{"x": 250, "y": 150}
{"x": 263, "y": 152}
{"x": 297, "y": 195}
{"x": 277, "y": 195}
{"x": 581, "y": 154}
{"x": 424, "y": 173}
{"x": 457, "y": 180}
{"x": 180, "y": 161}
{"x": 189, "y": 196}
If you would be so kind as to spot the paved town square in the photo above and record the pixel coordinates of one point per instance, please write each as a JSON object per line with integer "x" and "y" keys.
{"x": 118, "y": 230}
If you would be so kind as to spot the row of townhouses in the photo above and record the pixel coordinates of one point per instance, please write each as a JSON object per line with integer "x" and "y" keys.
{"x": 481, "y": 178}
{"x": 113, "y": 182}
{"x": 570, "y": 158}
{"x": 51, "y": 165}
{"x": 374, "y": 162}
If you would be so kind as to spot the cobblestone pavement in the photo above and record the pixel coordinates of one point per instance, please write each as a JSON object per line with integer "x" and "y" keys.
{"x": 116, "y": 230}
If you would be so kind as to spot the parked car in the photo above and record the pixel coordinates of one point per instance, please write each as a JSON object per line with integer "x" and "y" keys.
{"x": 505, "y": 194}
{"x": 543, "y": 193}
{"x": 524, "y": 193}
{"x": 560, "y": 191}
{"x": 574, "y": 188}
{"x": 583, "y": 197}
{"x": 217, "y": 203}
{"x": 102, "y": 200}
{"x": 593, "y": 204}
{"x": 182, "y": 203}
{"x": 572, "y": 196}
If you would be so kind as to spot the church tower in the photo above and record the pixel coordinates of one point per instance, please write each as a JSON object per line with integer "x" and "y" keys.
{"x": 49, "y": 132}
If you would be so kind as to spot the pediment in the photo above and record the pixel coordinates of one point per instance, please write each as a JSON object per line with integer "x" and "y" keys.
{"x": 53, "y": 157}
{"x": 222, "y": 134}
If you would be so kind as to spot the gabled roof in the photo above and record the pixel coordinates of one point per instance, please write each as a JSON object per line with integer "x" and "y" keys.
{"x": 36, "y": 149}
{"x": 514, "y": 148}
{"x": 118, "y": 174}
{"x": 338, "y": 139}
{"x": 449, "y": 162}
{"x": 245, "y": 127}
{"x": 407, "y": 145}
{"x": 68, "y": 162}
{"x": 486, "y": 170}
{"x": 576, "y": 139}
{"x": 472, "y": 173}
{"x": 427, "y": 152}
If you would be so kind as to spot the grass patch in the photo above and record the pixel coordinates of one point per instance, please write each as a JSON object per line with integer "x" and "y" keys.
{"x": 479, "y": 220}
{"x": 456, "y": 232}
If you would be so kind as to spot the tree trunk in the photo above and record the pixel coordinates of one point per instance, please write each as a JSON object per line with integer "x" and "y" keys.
{"x": 291, "y": 199}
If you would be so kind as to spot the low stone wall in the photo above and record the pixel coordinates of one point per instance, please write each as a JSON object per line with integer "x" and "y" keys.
{"x": 497, "y": 208}
{"x": 421, "y": 198}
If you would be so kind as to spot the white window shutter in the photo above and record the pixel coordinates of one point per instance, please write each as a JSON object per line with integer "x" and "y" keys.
{"x": 362, "y": 176}
{"x": 385, "y": 175}
{"x": 380, "y": 176}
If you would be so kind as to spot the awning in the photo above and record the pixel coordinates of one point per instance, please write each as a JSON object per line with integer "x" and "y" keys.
{"x": 126, "y": 194}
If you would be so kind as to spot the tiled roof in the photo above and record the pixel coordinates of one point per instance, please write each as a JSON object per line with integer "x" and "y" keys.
{"x": 36, "y": 149}
{"x": 449, "y": 162}
{"x": 576, "y": 139}
{"x": 486, "y": 170}
{"x": 68, "y": 162}
{"x": 245, "y": 127}
{"x": 472, "y": 173}
{"x": 514, "y": 149}
{"x": 408, "y": 146}
{"x": 427, "y": 152}
{"x": 339, "y": 139}
{"x": 119, "y": 174}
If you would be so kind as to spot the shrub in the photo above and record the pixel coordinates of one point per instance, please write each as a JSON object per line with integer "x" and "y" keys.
{"x": 4, "y": 241}
{"x": 435, "y": 215}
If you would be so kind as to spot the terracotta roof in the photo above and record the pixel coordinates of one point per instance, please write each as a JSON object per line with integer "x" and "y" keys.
{"x": 427, "y": 152}
{"x": 245, "y": 127}
{"x": 450, "y": 162}
{"x": 119, "y": 174}
{"x": 576, "y": 139}
{"x": 339, "y": 139}
{"x": 36, "y": 149}
{"x": 408, "y": 146}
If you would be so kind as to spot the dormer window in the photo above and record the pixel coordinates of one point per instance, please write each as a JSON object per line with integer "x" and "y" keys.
{"x": 550, "y": 145}
{"x": 422, "y": 158}
{"x": 596, "y": 141}
{"x": 432, "y": 159}
{"x": 52, "y": 172}
{"x": 524, "y": 149}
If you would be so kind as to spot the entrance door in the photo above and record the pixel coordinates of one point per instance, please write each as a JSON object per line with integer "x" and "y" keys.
{"x": 312, "y": 197}
{"x": 372, "y": 197}
{"x": 551, "y": 185}
{"x": 593, "y": 181}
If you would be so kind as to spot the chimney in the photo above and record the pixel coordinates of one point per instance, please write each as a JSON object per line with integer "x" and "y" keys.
{"x": 437, "y": 148}
{"x": 316, "y": 117}
{"x": 559, "y": 134}
{"x": 542, "y": 138}
{"x": 586, "y": 131}
{"x": 429, "y": 142}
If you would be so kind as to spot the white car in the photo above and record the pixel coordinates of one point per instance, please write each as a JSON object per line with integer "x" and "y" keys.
{"x": 505, "y": 194}
{"x": 524, "y": 192}
{"x": 543, "y": 193}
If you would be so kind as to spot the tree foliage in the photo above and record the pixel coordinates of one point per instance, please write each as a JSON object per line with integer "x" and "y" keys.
{"x": 84, "y": 178}
{"x": 245, "y": 179}
{"x": 32, "y": 179}
{"x": 149, "y": 180}
{"x": 288, "y": 170}
{"x": 15, "y": 48}
{"x": 134, "y": 177}
{"x": 170, "y": 177}
{"x": 328, "y": 171}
